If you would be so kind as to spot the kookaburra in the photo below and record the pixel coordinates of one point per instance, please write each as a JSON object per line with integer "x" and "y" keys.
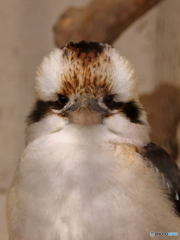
{"x": 89, "y": 170}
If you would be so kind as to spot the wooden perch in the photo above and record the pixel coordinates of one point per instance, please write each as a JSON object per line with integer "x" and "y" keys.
{"x": 101, "y": 20}
{"x": 163, "y": 109}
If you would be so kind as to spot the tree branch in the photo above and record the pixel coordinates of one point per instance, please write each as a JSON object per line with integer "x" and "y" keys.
{"x": 101, "y": 20}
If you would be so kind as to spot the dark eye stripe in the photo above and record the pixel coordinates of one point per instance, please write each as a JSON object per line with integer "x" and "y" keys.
{"x": 40, "y": 110}
{"x": 130, "y": 109}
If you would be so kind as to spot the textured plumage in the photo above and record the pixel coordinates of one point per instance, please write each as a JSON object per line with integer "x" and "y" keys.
{"x": 88, "y": 171}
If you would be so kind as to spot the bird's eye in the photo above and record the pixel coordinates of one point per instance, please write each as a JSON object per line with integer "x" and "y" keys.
{"x": 62, "y": 100}
{"x": 109, "y": 100}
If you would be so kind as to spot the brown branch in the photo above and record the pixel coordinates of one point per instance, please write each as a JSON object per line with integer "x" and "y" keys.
{"x": 101, "y": 20}
{"x": 163, "y": 109}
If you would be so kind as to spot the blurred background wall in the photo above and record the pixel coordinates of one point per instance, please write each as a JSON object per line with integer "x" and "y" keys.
{"x": 152, "y": 43}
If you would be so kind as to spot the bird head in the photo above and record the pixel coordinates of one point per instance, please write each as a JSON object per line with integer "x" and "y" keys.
{"x": 88, "y": 84}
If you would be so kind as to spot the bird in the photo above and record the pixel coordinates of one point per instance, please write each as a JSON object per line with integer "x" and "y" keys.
{"x": 89, "y": 170}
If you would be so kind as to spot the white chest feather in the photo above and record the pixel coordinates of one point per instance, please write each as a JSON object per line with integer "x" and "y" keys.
{"x": 82, "y": 188}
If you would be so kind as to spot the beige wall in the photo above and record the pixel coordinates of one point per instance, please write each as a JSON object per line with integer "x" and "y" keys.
{"x": 152, "y": 44}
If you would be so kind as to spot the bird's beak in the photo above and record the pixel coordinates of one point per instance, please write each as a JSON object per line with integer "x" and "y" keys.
{"x": 85, "y": 111}
{"x": 88, "y": 103}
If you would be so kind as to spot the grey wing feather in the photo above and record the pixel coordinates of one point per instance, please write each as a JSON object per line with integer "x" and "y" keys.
{"x": 160, "y": 160}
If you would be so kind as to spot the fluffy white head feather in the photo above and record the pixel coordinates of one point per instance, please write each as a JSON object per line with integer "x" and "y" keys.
{"x": 49, "y": 75}
{"x": 118, "y": 69}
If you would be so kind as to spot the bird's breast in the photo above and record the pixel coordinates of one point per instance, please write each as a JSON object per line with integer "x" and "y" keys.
{"x": 87, "y": 189}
